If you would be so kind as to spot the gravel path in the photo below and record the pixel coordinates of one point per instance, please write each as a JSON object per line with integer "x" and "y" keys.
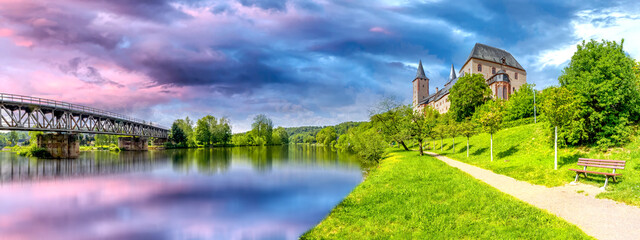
{"x": 600, "y": 218}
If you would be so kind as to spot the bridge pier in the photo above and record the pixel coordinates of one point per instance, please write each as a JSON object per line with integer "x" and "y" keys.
{"x": 133, "y": 143}
{"x": 60, "y": 145}
{"x": 159, "y": 141}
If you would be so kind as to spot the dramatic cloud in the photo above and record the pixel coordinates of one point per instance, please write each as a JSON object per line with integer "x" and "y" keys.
{"x": 306, "y": 62}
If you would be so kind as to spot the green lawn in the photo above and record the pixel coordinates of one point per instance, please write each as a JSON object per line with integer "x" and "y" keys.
{"x": 526, "y": 153}
{"x": 412, "y": 197}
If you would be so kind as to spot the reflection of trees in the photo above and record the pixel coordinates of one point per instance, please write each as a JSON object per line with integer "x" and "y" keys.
{"x": 15, "y": 168}
{"x": 203, "y": 160}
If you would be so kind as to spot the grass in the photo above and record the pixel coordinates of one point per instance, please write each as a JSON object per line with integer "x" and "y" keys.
{"x": 526, "y": 153}
{"x": 412, "y": 197}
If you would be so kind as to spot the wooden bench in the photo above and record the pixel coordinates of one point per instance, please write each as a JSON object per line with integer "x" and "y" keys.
{"x": 599, "y": 163}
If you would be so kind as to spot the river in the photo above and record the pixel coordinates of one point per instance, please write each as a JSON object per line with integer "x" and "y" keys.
{"x": 274, "y": 192}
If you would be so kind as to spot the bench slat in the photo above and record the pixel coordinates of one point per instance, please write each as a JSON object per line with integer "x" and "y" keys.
{"x": 601, "y": 166}
{"x": 603, "y": 160}
{"x": 592, "y": 172}
{"x": 607, "y": 163}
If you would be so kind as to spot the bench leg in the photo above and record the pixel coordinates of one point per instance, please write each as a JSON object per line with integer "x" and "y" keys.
{"x": 606, "y": 180}
{"x": 576, "y": 180}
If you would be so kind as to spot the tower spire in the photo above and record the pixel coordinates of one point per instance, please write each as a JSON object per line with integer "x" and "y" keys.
{"x": 452, "y": 75}
{"x": 420, "y": 73}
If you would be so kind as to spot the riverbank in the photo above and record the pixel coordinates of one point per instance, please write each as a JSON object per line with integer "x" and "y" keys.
{"x": 409, "y": 196}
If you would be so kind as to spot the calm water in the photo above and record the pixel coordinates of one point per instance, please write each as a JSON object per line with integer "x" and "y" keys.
{"x": 222, "y": 193}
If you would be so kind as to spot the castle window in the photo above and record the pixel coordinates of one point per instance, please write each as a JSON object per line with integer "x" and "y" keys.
{"x": 516, "y": 75}
{"x": 479, "y": 67}
{"x": 493, "y": 70}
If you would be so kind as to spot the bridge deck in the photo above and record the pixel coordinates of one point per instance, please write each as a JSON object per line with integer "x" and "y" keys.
{"x": 27, "y": 113}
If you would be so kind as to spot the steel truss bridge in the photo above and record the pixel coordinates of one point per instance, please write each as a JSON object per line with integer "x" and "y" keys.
{"x": 26, "y": 113}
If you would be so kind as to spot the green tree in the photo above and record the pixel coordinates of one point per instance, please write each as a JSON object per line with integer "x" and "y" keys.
{"x": 603, "y": 78}
{"x": 13, "y": 138}
{"x": 309, "y": 139}
{"x": 262, "y": 127}
{"x": 560, "y": 109}
{"x": 520, "y": 104}
{"x": 469, "y": 92}
{"x": 176, "y": 135}
{"x": 440, "y": 131}
{"x": 421, "y": 124}
{"x": 388, "y": 117}
{"x": 203, "y": 129}
{"x": 454, "y": 130}
{"x": 221, "y": 132}
{"x": 489, "y": 116}
{"x": 280, "y": 136}
{"x": 467, "y": 129}
{"x": 326, "y": 135}
{"x": 3, "y": 141}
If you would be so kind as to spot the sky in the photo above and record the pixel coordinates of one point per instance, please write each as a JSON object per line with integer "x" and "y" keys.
{"x": 306, "y": 62}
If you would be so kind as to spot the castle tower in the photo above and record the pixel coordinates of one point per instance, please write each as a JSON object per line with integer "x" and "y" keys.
{"x": 420, "y": 86}
{"x": 452, "y": 75}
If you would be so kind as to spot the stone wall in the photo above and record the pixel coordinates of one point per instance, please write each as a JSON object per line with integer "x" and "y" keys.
{"x": 133, "y": 144}
{"x": 60, "y": 145}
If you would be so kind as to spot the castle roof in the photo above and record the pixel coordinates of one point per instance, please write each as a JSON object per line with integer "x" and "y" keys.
{"x": 492, "y": 54}
{"x": 440, "y": 93}
{"x": 420, "y": 74}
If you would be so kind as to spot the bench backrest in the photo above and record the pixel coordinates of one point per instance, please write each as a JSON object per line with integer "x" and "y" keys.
{"x": 601, "y": 163}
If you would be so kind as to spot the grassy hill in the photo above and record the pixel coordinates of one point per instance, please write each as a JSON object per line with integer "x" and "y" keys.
{"x": 526, "y": 153}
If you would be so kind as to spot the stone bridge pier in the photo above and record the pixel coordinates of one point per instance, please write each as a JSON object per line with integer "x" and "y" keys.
{"x": 60, "y": 145}
{"x": 133, "y": 143}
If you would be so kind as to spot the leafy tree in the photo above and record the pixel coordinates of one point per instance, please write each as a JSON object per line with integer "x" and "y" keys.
{"x": 560, "y": 109}
{"x": 440, "y": 131}
{"x": 3, "y": 141}
{"x": 489, "y": 116}
{"x": 280, "y": 136}
{"x": 13, "y": 138}
{"x": 421, "y": 124}
{"x": 469, "y": 92}
{"x": 603, "y": 78}
{"x": 262, "y": 127}
{"x": 520, "y": 104}
{"x": 309, "y": 139}
{"x": 454, "y": 130}
{"x": 176, "y": 135}
{"x": 203, "y": 129}
{"x": 222, "y": 132}
{"x": 326, "y": 135}
{"x": 388, "y": 117}
{"x": 365, "y": 141}
{"x": 467, "y": 129}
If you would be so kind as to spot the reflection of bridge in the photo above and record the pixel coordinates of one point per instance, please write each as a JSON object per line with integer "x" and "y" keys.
{"x": 26, "y": 113}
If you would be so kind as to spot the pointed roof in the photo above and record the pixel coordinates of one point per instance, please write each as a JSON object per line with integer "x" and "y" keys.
{"x": 420, "y": 74}
{"x": 492, "y": 54}
{"x": 452, "y": 75}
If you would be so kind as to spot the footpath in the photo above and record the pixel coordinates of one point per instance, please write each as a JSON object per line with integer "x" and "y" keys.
{"x": 600, "y": 218}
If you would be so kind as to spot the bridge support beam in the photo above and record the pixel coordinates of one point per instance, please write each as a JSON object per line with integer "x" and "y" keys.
{"x": 60, "y": 145}
{"x": 159, "y": 141}
{"x": 133, "y": 143}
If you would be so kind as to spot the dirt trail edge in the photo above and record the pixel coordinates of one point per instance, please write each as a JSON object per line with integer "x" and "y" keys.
{"x": 600, "y": 218}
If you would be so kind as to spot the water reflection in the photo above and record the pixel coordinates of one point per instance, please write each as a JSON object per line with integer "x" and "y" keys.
{"x": 222, "y": 193}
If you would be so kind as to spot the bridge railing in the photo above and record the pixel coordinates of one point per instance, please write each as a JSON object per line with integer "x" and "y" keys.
{"x": 5, "y": 97}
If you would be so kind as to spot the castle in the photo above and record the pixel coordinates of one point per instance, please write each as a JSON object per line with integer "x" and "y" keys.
{"x": 501, "y": 71}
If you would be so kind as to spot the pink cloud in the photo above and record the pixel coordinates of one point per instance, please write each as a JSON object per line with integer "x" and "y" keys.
{"x": 379, "y": 30}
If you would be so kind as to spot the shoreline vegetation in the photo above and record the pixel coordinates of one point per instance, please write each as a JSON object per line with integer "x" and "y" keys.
{"x": 418, "y": 197}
